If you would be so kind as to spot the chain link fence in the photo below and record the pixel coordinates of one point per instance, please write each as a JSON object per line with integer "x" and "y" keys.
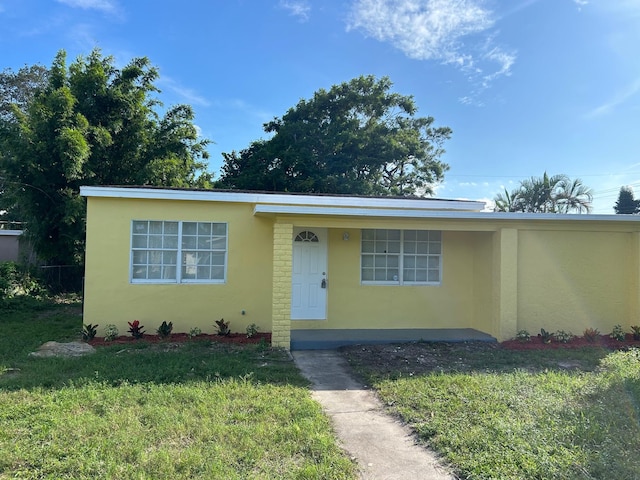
{"x": 62, "y": 278}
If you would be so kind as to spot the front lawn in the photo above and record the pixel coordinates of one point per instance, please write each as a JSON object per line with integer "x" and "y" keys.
{"x": 193, "y": 410}
{"x": 494, "y": 413}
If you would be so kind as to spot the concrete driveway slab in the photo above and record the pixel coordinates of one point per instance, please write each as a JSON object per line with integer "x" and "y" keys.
{"x": 382, "y": 446}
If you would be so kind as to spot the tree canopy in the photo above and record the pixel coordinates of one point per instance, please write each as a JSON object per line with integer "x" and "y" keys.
{"x": 88, "y": 124}
{"x": 555, "y": 194}
{"x": 18, "y": 88}
{"x": 356, "y": 138}
{"x": 626, "y": 203}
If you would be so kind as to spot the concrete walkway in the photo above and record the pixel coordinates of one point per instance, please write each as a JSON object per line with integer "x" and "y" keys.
{"x": 382, "y": 446}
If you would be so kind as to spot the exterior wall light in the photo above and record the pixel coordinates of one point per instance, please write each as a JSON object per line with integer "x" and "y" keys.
{"x": 345, "y": 236}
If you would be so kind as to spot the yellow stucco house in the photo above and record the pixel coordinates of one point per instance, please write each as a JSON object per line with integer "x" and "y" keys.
{"x": 321, "y": 270}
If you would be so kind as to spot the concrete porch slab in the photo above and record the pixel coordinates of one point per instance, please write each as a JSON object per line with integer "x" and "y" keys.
{"x": 332, "y": 338}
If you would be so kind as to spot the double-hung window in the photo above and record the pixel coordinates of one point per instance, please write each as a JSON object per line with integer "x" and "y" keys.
{"x": 401, "y": 257}
{"x": 178, "y": 252}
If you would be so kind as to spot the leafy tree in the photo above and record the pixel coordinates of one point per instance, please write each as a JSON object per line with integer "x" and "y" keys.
{"x": 16, "y": 90}
{"x": 90, "y": 124}
{"x": 555, "y": 194}
{"x": 356, "y": 138}
{"x": 626, "y": 204}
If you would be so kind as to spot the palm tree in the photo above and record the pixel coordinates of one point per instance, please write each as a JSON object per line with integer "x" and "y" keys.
{"x": 555, "y": 194}
{"x": 508, "y": 202}
{"x": 573, "y": 196}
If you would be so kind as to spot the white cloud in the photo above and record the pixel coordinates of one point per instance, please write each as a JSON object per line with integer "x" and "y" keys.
{"x": 247, "y": 110}
{"x": 424, "y": 30}
{"x": 489, "y": 204}
{"x": 618, "y": 99}
{"x": 454, "y": 32}
{"x": 300, "y": 9}
{"x": 504, "y": 60}
{"x": 186, "y": 94}
{"x": 581, "y": 3}
{"x": 516, "y": 7}
{"x": 107, "y": 6}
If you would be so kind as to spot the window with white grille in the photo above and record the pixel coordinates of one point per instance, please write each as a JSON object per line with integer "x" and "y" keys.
{"x": 172, "y": 251}
{"x": 401, "y": 257}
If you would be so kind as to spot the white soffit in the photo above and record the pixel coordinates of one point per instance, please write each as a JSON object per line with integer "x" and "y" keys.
{"x": 13, "y": 233}
{"x": 281, "y": 199}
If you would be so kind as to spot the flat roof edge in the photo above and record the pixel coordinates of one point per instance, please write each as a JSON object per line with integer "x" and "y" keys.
{"x": 280, "y": 198}
{"x": 435, "y": 214}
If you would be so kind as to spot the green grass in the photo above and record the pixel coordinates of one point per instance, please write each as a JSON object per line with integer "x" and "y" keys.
{"x": 198, "y": 410}
{"x": 497, "y": 414}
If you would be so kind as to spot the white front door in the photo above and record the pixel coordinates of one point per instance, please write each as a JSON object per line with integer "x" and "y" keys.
{"x": 309, "y": 277}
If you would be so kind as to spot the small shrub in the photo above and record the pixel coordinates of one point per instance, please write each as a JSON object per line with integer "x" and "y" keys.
{"x": 223, "y": 327}
{"x": 545, "y": 337}
{"x": 591, "y": 334}
{"x": 617, "y": 333}
{"x": 165, "y": 329}
{"x": 635, "y": 329}
{"x": 111, "y": 332}
{"x": 263, "y": 344}
{"x": 89, "y": 332}
{"x": 135, "y": 329}
{"x": 194, "y": 332}
{"x": 563, "y": 337}
{"x": 16, "y": 280}
{"x": 252, "y": 330}
{"x": 523, "y": 336}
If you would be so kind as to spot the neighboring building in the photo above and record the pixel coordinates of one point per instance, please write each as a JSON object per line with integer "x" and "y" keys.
{"x": 9, "y": 244}
{"x": 320, "y": 270}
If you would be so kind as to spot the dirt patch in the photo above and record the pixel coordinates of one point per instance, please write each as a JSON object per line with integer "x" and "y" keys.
{"x": 417, "y": 358}
{"x": 602, "y": 341}
{"x": 179, "y": 338}
{"x": 409, "y": 359}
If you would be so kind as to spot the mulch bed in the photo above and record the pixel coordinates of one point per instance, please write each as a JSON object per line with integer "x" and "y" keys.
{"x": 602, "y": 341}
{"x": 235, "y": 338}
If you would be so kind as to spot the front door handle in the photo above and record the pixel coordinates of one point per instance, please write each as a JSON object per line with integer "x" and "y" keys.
{"x": 323, "y": 283}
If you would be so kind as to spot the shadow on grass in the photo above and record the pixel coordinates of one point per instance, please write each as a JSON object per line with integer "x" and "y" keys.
{"x": 26, "y": 328}
{"x": 159, "y": 364}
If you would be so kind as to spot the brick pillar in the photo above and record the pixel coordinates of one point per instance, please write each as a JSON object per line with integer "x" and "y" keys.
{"x": 281, "y": 296}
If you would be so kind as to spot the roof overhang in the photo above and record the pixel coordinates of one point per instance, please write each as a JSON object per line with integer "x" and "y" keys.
{"x": 283, "y": 199}
{"x": 11, "y": 233}
{"x": 273, "y": 204}
{"x": 431, "y": 214}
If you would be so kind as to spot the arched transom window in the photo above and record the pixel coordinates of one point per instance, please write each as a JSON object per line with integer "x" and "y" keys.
{"x": 306, "y": 236}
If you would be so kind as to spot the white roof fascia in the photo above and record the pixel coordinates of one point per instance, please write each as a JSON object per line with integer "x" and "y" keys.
{"x": 14, "y": 233}
{"x": 426, "y": 213}
{"x": 282, "y": 199}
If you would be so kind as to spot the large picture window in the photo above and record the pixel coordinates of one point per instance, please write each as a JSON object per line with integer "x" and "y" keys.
{"x": 170, "y": 252}
{"x": 401, "y": 257}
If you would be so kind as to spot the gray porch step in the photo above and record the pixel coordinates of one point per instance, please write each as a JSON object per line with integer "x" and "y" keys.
{"x": 332, "y": 339}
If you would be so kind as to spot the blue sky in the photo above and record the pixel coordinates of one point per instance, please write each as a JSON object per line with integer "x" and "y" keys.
{"x": 526, "y": 85}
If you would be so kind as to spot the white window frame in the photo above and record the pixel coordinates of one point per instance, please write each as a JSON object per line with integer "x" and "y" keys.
{"x": 401, "y": 258}
{"x": 179, "y": 250}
